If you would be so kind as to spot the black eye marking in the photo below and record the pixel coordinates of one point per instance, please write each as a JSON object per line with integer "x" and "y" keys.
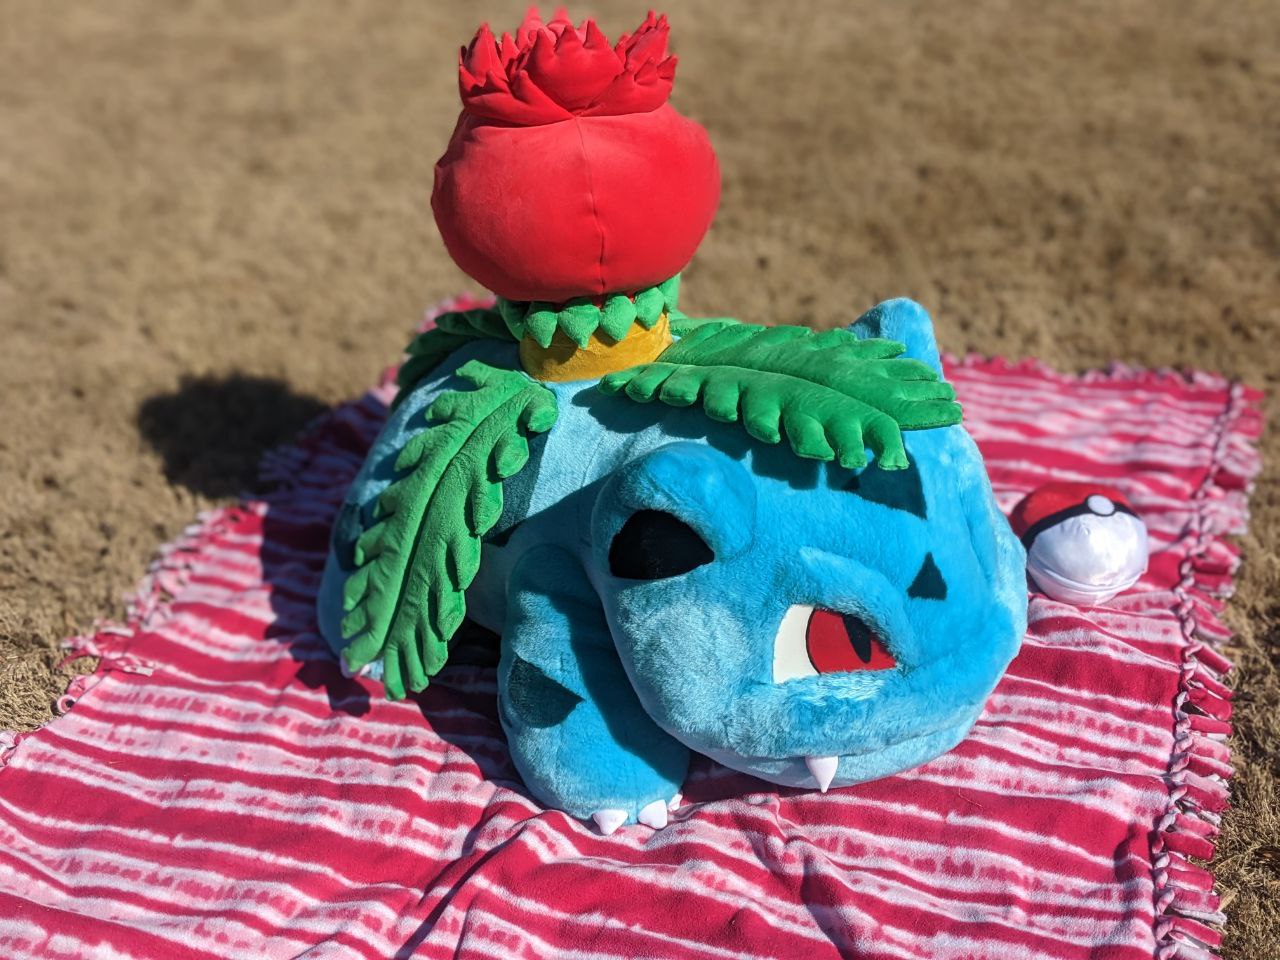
{"x": 537, "y": 699}
{"x": 653, "y": 545}
{"x": 897, "y": 489}
{"x": 928, "y": 584}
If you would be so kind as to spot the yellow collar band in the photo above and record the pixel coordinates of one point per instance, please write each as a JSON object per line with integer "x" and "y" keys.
{"x": 563, "y": 360}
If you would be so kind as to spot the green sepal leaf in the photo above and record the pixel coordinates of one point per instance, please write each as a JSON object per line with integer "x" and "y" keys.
{"x": 579, "y": 320}
{"x": 618, "y": 315}
{"x": 452, "y": 330}
{"x": 415, "y": 561}
{"x": 581, "y": 317}
{"x": 831, "y": 394}
{"x": 682, "y": 324}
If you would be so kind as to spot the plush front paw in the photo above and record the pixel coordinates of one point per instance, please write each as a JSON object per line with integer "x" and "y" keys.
{"x": 577, "y": 731}
{"x": 653, "y": 814}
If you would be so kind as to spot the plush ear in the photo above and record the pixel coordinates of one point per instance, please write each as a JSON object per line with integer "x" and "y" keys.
{"x": 905, "y": 321}
{"x": 664, "y": 501}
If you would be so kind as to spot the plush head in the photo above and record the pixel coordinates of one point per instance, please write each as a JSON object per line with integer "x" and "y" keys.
{"x": 801, "y": 621}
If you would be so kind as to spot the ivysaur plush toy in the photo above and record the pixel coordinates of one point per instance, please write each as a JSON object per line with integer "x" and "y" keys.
{"x": 775, "y": 547}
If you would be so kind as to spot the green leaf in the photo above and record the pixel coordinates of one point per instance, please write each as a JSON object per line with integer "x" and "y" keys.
{"x": 682, "y": 324}
{"x": 581, "y": 317}
{"x": 832, "y": 394}
{"x": 415, "y": 561}
{"x": 452, "y": 330}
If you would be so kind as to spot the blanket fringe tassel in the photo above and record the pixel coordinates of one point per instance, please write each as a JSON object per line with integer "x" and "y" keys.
{"x": 145, "y": 606}
{"x": 1188, "y": 912}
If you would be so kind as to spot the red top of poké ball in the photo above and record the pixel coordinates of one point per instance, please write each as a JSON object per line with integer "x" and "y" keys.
{"x": 569, "y": 174}
{"x": 1050, "y": 501}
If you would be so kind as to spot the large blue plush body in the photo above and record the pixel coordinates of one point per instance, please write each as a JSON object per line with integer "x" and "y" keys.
{"x": 655, "y": 577}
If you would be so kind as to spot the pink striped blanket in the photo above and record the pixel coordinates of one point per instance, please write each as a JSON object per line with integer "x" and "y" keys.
{"x": 218, "y": 789}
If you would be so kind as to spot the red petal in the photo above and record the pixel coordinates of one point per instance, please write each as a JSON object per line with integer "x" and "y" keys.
{"x": 550, "y": 71}
{"x": 509, "y": 50}
{"x": 474, "y": 85}
{"x": 568, "y": 40}
{"x": 482, "y": 55}
{"x": 532, "y": 23}
{"x": 626, "y": 94}
{"x": 626, "y": 41}
{"x": 594, "y": 39}
{"x": 570, "y": 73}
{"x": 649, "y": 42}
{"x": 542, "y": 59}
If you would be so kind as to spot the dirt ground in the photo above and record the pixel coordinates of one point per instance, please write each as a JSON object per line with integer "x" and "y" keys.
{"x": 214, "y": 223}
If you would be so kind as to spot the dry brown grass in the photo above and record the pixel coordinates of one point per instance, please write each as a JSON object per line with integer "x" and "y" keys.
{"x": 237, "y": 192}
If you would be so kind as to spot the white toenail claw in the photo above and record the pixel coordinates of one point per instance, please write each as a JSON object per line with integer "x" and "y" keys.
{"x": 609, "y": 820}
{"x": 654, "y": 815}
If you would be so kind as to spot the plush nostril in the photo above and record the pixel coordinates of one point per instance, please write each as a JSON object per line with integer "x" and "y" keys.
{"x": 842, "y": 642}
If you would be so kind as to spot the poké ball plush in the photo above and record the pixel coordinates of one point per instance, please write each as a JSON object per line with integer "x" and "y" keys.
{"x": 772, "y": 546}
{"x": 1085, "y": 543}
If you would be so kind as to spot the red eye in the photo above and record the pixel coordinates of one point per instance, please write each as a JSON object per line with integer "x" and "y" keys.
{"x": 841, "y": 642}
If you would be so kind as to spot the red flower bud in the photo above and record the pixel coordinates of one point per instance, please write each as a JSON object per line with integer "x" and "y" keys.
{"x": 569, "y": 174}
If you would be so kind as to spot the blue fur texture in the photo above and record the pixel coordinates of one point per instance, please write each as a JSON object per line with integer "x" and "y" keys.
{"x": 605, "y": 683}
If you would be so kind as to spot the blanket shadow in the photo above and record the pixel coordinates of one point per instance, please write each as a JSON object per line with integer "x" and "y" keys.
{"x": 301, "y": 504}
{"x": 301, "y": 488}
{"x": 215, "y": 436}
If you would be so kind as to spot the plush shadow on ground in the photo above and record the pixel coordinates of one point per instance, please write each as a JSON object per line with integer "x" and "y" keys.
{"x": 212, "y": 431}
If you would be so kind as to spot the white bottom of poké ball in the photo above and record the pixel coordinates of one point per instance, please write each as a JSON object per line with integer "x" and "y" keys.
{"x": 1096, "y": 550}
